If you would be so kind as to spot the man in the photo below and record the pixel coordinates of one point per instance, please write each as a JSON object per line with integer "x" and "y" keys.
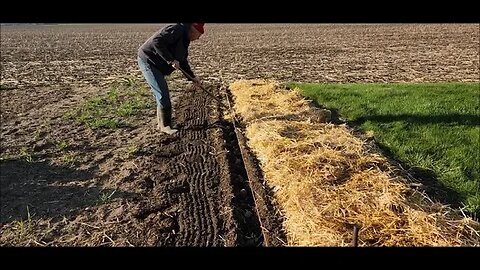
{"x": 159, "y": 56}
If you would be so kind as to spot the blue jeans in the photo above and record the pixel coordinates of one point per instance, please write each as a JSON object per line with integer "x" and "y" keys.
{"x": 156, "y": 81}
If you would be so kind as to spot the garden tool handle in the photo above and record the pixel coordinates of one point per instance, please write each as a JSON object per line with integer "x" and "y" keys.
{"x": 201, "y": 87}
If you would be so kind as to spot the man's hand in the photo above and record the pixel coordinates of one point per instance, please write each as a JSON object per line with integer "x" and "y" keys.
{"x": 175, "y": 64}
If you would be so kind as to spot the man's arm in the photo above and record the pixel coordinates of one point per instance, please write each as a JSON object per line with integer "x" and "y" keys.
{"x": 186, "y": 67}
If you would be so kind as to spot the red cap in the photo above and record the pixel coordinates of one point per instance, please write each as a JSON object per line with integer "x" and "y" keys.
{"x": 199, "y": 27}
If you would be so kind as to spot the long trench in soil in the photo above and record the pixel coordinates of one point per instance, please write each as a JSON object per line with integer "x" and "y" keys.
{"x": 202, "y": 184}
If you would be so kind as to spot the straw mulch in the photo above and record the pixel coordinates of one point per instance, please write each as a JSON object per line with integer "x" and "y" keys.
{"x": 326, "y": 180}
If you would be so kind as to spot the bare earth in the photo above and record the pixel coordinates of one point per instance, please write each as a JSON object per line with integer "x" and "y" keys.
{"x": 186, "y": 189}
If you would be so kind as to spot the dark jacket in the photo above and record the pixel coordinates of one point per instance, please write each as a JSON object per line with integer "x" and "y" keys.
{"x": 166, "y": 45}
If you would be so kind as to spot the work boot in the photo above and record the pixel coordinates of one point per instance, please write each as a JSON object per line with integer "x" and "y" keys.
{"x": 164, "y": 118}
{"x": 171, "y": 123}
{"x": 168, "y": 117}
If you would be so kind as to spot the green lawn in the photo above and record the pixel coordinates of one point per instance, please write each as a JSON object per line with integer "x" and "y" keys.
{"x": 433, "y": 129}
